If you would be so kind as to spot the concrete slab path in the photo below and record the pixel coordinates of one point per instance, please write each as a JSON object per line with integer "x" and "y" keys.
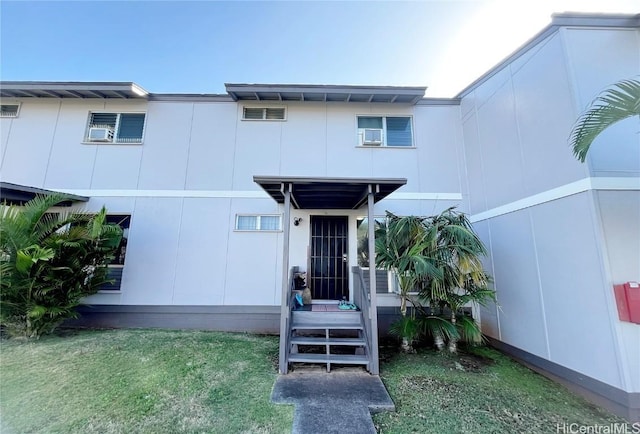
{"x": 339, "y": 402}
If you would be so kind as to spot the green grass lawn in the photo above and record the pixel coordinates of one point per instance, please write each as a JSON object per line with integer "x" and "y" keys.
{"x": 162, "y": 381}
{"x": 479, "y": 392}
{"x": 141, "y": 381}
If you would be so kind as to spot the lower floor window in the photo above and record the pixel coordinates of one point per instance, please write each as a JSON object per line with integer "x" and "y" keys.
{"x": 385, "y": 280}
{"x": 258, "y": 222}
{"x": 117, "y": 264}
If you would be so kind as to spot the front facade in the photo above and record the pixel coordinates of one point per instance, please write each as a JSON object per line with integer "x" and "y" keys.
{"x": 208, "y": 246}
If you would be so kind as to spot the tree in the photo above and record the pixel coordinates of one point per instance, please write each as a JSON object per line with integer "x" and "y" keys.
{"x": 456, "y": 251}
{"x": 618, "y": 102}
{"x": 400, "y": 246}
{"x": 439, "y": 258}
{"x": 49, "y": 262}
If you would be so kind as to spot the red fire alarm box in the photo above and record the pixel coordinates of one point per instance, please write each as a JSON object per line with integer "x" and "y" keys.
{"x": 628, "y": 301}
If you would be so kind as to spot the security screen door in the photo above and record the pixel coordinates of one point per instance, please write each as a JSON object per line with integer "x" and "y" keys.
{"x": 329, "y": 262}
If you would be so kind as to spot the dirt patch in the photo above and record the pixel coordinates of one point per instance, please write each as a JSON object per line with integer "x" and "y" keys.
{"x": 470, "y": 362}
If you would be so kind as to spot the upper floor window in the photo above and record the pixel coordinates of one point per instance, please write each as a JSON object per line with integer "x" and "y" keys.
{"x": 385, "y": 131}
{"x": 115, "y": 127}
{"x": 263, "y": 113}
{"x": 9, "y": 110}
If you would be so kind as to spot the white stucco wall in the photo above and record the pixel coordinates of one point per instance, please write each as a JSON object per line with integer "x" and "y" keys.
{"x": 182, "y": 247}
{"x": 552, "y": 252}
{"x": 620, "y": 226}
{"x": 596, "y": 59}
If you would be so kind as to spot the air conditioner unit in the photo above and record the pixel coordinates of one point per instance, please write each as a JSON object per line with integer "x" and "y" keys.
{"x": 372, "y": 137}
{"x": 100, "y": 134}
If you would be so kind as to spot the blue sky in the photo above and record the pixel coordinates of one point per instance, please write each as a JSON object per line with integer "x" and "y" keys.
{"x": 196, "y": 47}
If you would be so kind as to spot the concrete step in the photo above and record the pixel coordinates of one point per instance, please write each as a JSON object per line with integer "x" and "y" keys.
{"x": 326, "y": 326}
{"x": 311, "y": 340}
{"x": 344, "y": 316}
{"x": 342, "y": 359}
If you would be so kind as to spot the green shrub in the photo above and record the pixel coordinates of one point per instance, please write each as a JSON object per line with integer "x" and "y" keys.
{"x": 49, "y": 262}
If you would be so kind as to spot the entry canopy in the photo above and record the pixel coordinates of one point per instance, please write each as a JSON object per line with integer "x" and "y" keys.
{"x": 328, "y": 193}
{"x": 15, "y": 194}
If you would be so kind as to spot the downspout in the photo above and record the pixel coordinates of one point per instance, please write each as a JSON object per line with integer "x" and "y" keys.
{"x": 284, "y": 305}
{"x": 374, "y": 368}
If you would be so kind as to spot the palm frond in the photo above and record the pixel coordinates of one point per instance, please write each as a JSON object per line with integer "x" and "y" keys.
{"x": 620, "y": 101}
{"x": 406, "y": 327}
{"x": 437, "y": 326}
{"x": 469, "y": 330}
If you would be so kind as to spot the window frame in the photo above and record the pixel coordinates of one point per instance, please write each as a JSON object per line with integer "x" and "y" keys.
{"x": 264, "y": 113}
{"x": 359, "y": 141}
{"x": 258, "y": 221}
{"x": 119, "y": 266}
{"x": 116, "y": 128}
{"x": 392, "y": 278}
{"x": 19, "y": 104}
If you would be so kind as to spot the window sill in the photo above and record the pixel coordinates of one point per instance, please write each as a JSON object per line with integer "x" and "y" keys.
{"x": 257, "y": 230}
{"x": 264, "y": 120}
{"x": 108, "y": 291}
{"x": 385, "y": 147}
{"x": 112, "y": 143}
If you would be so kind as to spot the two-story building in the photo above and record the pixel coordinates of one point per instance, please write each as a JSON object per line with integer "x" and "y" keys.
{"x": 221, "y": 195}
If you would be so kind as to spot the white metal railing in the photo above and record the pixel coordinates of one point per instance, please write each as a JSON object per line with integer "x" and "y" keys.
{"x": 362, "y": 298}
{"x": 285, "y": 339}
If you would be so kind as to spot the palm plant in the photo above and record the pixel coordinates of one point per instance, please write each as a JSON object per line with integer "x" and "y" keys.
{"x": 400, "y": 246}
{"x": 620, "y": 101}
{"x": 49, "y": 262}
{"x": 461, "y": 279}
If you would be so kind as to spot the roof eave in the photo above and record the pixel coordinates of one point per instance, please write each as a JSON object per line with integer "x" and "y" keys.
{"x": 80, "y": 90}
{"x": 324, "y": 93}
{"x": 19, "y": 194}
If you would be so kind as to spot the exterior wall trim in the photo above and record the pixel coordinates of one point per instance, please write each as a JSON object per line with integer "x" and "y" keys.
{"x": 243, "y": 194}
{"x": 251, "y": 319}
{"x": 580, "y": 186}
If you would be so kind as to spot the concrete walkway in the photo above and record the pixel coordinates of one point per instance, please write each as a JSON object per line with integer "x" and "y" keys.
{"x": 340, "y": 402}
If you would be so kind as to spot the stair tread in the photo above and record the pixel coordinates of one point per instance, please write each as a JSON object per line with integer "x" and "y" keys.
{"x": 311, "y": 340}
{"x": 332, "y": 358}
{"x": 325, "y": 325}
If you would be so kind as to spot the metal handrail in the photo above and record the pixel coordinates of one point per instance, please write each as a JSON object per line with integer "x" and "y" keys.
{"x": 362, "y": 299}
{"x": 285, "y": 342}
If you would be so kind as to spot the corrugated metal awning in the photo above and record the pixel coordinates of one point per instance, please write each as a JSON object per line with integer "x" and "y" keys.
{"x": 325, "y": 93}
{"x": 329, "y": 193}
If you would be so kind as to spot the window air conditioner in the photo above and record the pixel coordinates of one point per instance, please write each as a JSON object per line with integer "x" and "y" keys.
{"x": 372, "y": 137}
{"x": 100, "y": 134}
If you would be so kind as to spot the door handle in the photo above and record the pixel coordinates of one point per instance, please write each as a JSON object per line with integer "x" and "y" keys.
{"x": 345, "y": 257}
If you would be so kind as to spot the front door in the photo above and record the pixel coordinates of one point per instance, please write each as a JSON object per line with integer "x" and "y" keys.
{"x": 329, "y": 263}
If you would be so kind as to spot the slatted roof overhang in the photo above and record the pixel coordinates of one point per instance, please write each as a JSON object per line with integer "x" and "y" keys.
{"x": 328, "y": 193}
{"x": 15, "y": 194}
{"x": 81, "y": 90}
{"x": 325, "y": 93}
